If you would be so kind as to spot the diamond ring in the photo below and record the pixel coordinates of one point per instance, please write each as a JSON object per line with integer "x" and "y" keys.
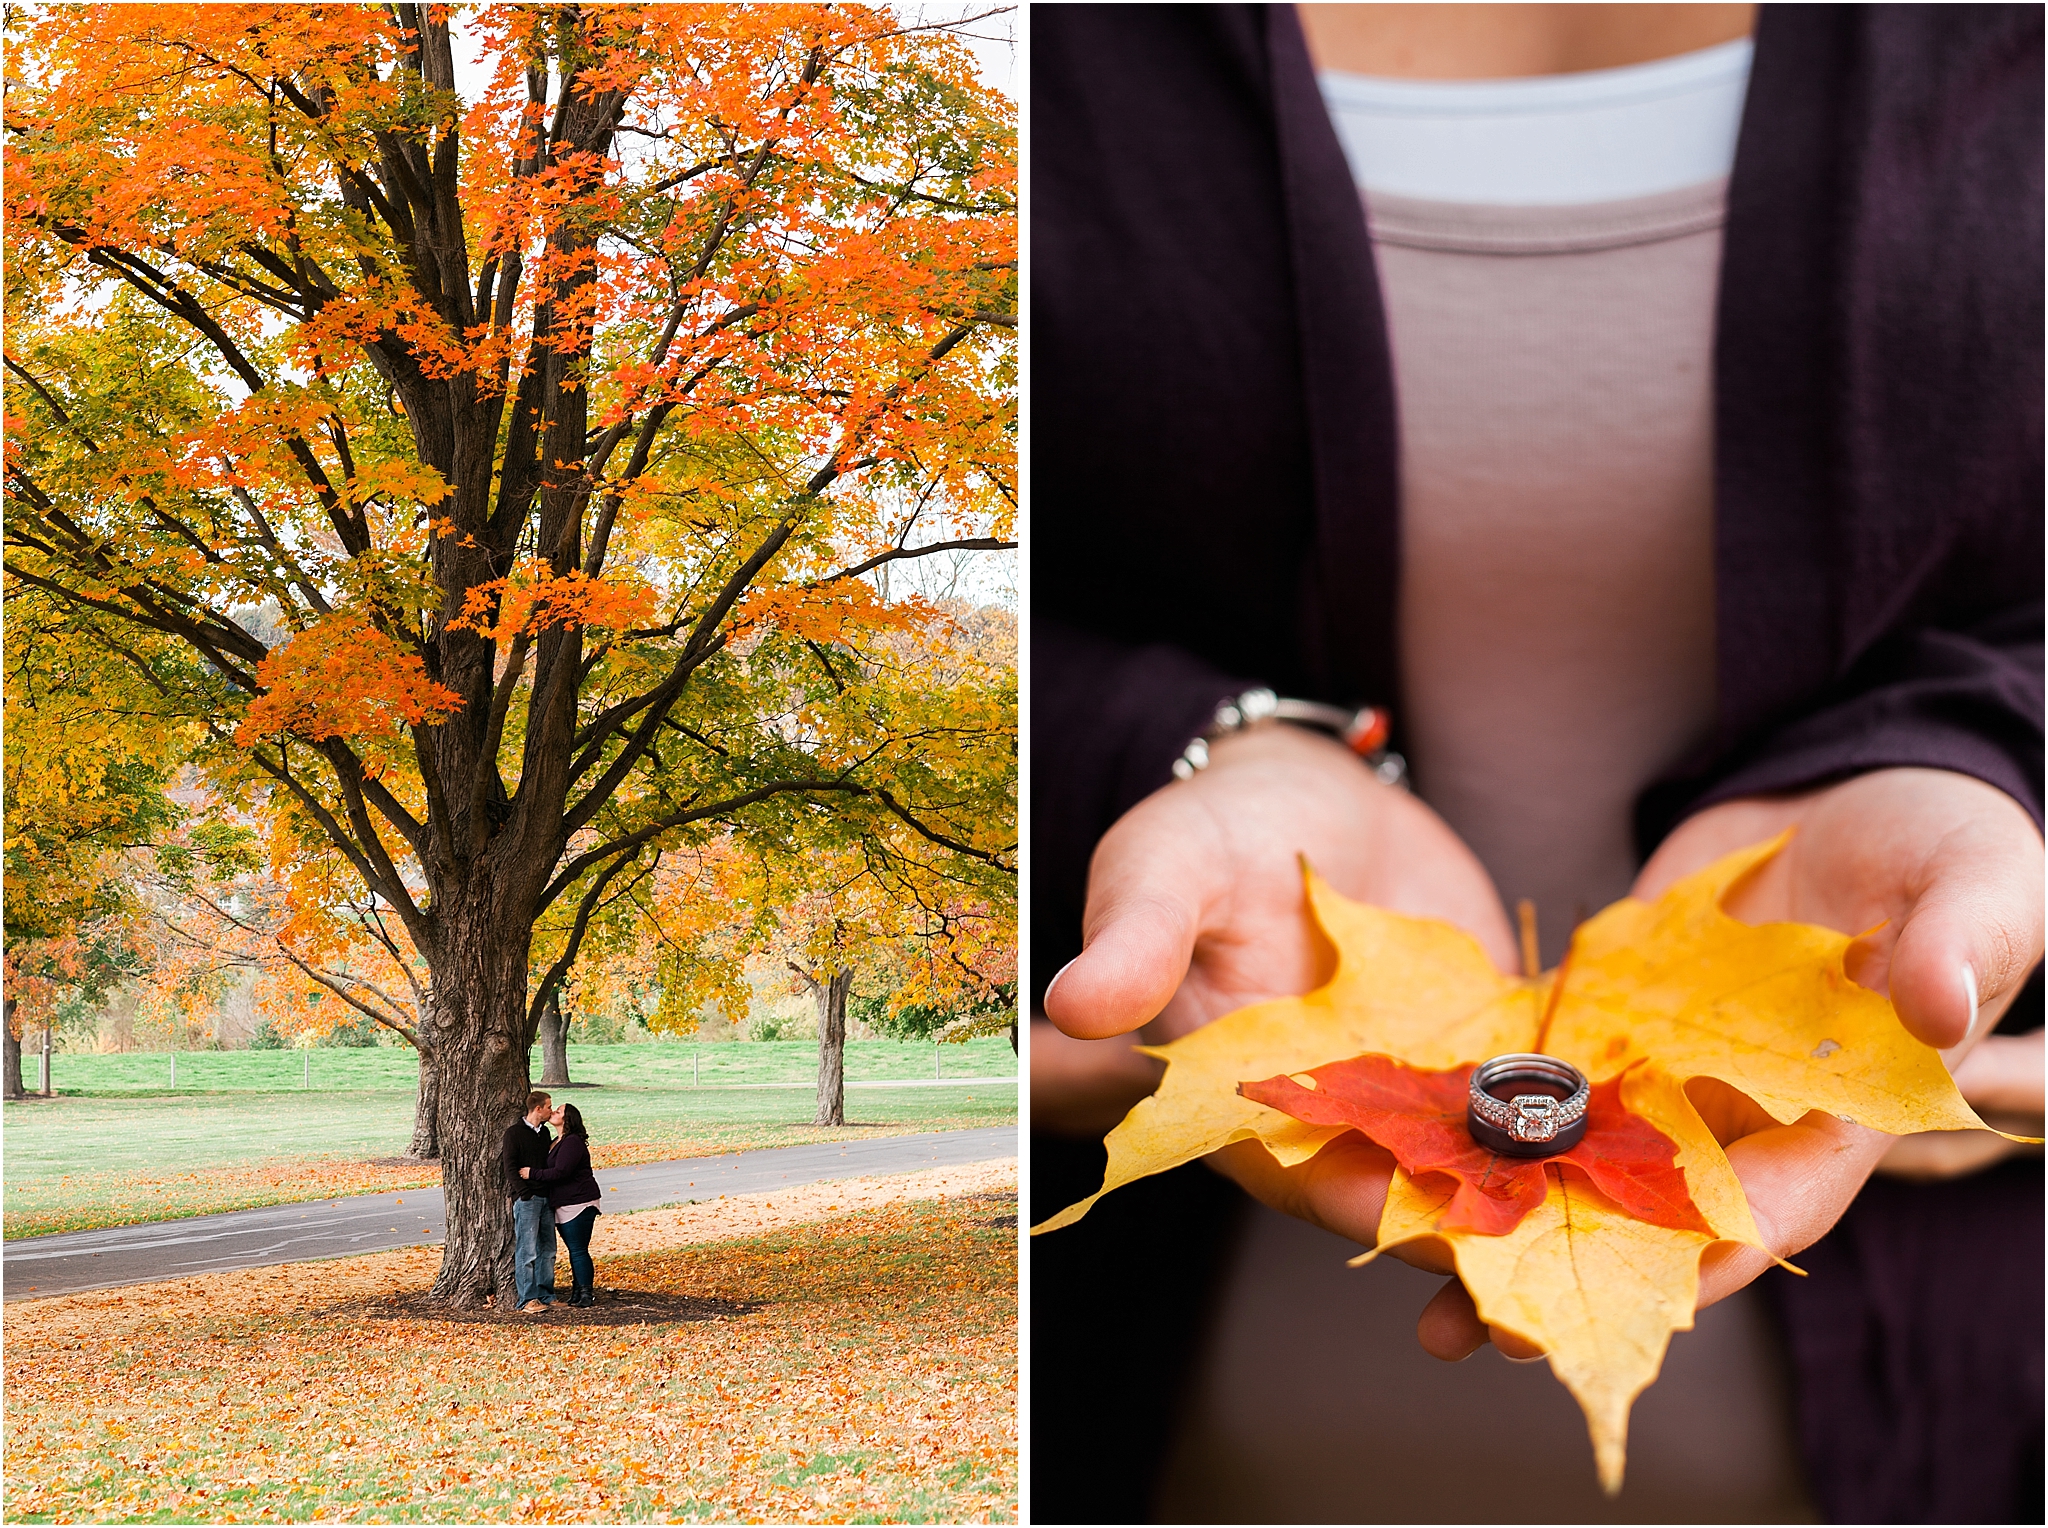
{"x": 1528, "y": 1106}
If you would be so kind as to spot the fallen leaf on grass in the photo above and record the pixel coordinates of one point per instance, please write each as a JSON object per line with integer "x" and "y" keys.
{"x": 1596, "y": 1262}
{"x": 248, "y": 1389}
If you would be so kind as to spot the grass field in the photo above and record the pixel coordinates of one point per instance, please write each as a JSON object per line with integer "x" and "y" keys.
{"x": 116, "y": 1146}
{"x": 858, "y": 1369}
{"x": 391, "y": 1068}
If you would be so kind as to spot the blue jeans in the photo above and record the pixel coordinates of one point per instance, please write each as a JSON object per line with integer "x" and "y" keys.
{"x": 533, "y": 1251}
{"x": 576, "y": 1237}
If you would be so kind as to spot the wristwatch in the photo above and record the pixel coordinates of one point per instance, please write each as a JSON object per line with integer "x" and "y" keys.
{"x": 1363, "y": 731}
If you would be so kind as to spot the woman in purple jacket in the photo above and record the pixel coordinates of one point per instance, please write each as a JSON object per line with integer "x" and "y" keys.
{"x": 574, "y": 1197}
{"x": 1661, "y": 512}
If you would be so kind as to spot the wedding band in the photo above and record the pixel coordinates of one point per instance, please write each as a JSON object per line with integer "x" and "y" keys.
{"x": 1528, "y": 1106}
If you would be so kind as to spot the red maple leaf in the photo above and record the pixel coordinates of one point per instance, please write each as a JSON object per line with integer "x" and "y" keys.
{"x": 1420, "y": 1117}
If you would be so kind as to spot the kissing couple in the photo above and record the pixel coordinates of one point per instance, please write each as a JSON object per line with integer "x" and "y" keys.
{"x": 552, "y": 1190}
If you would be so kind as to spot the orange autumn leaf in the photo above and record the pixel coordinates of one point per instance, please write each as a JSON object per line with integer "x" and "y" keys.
{"x": 540, "y": 599}
{"x": 1419, "y": 1116}
{"x": 1649, "y": 997}
{"x": 343, "y": 678}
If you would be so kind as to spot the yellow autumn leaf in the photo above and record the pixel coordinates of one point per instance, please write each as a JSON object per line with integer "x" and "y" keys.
{"x": 1408, "y": 987}
{"x": 1660, "y": 992}
{"x": 1598, "y": 1290}
{"x": 1765, "y": 1008}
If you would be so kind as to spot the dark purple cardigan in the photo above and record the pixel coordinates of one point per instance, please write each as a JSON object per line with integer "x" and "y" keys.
{"x": 567, "y": 1178}
{"x": 1215, "y": 503}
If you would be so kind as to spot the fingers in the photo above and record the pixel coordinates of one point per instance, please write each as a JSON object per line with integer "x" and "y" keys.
{"x": 1938, "y": 1154}
{"x": 2004, "y": 1074}
{"x": 1342, "y": 1188}
{"x": 1949, "y": 866}
{"x": 1138, "y": 949}
{"x": 1149, "y": 882}
{"x": 1449, "y": 1328}
{"x": 1958, "y": 864}
{"x": 1798, "y": 1178}
{"x": 1968, "y": 944}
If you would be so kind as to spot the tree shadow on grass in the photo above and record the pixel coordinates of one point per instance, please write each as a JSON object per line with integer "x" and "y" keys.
{"x": 993, "y": 1201}
{"x": 614, "y": 1307}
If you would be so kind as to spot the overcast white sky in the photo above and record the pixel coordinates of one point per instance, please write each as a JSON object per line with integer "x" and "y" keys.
{"x": 989, "y": 30}
{"x": 992, "y": 37}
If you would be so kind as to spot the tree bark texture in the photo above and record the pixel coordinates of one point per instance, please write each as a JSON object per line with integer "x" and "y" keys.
{"x": 831, "y": 999}
{"x": 554, "y": 1043}
{"x": 426, "y": 1120}
{"x": 10, "y": 1068}
{"x": 49, "y": 1071}
{"x": 480, "y": 1047}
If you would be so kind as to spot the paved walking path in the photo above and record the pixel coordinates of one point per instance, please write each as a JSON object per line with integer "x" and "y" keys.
{"x": 76, "y": 1261}
{"x": 899, "y": 1082}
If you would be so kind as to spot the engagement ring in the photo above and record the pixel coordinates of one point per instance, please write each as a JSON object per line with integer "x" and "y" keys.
{"x": 1528, "y": 1106}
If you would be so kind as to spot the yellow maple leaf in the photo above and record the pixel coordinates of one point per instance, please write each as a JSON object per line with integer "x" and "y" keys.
{"x": 1661, "y": 992}
{"x": 1599, "y": 1291}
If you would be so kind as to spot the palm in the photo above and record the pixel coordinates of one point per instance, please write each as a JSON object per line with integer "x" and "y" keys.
{"x": 1196, "y": 899}
{"x": 1937, "y": 872}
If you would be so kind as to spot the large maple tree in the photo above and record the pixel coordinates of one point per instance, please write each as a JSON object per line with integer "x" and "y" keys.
{"x": 513, "y": 457}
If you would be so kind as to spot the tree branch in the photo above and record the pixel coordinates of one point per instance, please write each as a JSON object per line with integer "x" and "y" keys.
{"x": 560, "y": 968}
{"x": 568, "y": 874}
{"x": 658, "y": 700}
{"x": 971, "y": 544}
{"x": 391, "y": 889}
{"x": 987, "y": 857}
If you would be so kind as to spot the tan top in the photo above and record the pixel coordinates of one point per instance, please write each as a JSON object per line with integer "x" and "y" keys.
{"x": 1553, "y": 370}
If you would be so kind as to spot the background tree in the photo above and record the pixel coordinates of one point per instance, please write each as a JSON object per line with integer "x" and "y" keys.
{"x": 91, "y": 750}
{"x": 831, "y": 896}
{"x": 558, "y": 425}
{"x": 324, "y": 958}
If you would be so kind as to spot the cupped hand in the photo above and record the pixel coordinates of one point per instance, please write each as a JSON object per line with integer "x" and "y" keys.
{"x": 525, "y": 1172}
{"x": 1195, "y": 899}
{"x": 1941, "y": 876}
{"x": 1196, "y": 908}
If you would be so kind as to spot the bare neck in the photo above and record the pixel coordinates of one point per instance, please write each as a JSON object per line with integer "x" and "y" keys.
{"x": 1485, "y": 42}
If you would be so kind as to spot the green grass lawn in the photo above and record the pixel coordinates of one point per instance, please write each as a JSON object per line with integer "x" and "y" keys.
{"x": 117, "y": 1146}
{"x": 653, "y": 1064}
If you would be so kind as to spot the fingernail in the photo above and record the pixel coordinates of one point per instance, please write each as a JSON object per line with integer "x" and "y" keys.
{"x": 1970, "y": 991}
{"x": 1063, "y": 970}
{"x": 1533, "y": 1358}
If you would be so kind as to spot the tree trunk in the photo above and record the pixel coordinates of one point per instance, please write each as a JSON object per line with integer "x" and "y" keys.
{"x": 478, "y": 1009}
{"x": 554, "y": 1043}
{"x": 10, "y": 1068}
{"x": 831, "y": 998}
{"x": 426, "y": 1121}
{"x": 49, "y": 1071}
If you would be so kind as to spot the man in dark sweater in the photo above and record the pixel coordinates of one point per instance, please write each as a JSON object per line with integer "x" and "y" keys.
{"x": 533, "y": 1223}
